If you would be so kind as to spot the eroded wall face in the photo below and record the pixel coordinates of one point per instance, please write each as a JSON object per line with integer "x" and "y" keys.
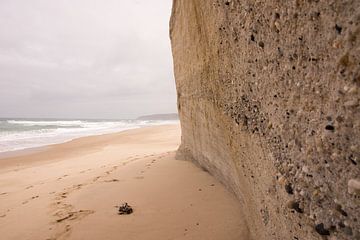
{"x": 268, "y": 97}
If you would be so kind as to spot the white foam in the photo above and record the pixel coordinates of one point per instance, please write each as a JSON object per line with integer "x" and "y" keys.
{"x": 62, "y": 131}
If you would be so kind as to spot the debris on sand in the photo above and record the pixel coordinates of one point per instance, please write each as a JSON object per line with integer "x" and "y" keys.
{"x": 125, "y": 208}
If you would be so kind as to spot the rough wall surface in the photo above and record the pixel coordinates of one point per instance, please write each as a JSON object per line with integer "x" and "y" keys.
{"x": 268, "y": 97}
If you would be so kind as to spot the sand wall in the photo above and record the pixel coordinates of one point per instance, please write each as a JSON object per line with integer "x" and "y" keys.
{"x": 268, "y": 98}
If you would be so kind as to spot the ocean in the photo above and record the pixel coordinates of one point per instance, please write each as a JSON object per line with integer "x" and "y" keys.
{"x": 18, "y": 134}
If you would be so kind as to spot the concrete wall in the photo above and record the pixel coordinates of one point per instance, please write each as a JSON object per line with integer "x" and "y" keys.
{"x": 268, "y": 98}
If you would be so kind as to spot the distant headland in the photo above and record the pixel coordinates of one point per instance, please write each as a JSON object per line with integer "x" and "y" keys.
{"x": 167, "y": 116}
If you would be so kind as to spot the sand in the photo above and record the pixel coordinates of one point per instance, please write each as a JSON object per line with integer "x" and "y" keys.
{"x": 73, "y": 190}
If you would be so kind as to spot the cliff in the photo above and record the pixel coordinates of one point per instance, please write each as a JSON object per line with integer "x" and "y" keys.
{"x": 268, "y": 99}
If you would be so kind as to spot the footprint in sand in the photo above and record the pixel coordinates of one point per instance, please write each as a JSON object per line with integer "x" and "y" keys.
{"x": 77, "y": 186}
{"x": 29, "y": 187}
{"x": 4, "y": 193}
{"x": 32, "y": 198}
{"x": 75, "y": 215}
{"x": 64, "y": 176}
{"x": 62, "y": 195}
{"x": 3, "y": 215}
{"x": 63, "y": 223}
{"x": 64, "y": 213}
{"x": 96, "y": 178}
{"x": 112, "y": 180}
{"x": 67, "y": 191}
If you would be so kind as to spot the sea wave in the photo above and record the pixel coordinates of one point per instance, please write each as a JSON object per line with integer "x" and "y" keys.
{"x": 45, "y": 123}
{"x": 16, "y": 134}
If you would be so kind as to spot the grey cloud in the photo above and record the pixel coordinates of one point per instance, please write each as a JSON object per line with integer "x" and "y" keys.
{"x": 85, "y": 58}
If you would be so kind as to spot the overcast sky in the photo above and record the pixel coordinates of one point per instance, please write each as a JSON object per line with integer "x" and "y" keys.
{"x": 85, "y": 58}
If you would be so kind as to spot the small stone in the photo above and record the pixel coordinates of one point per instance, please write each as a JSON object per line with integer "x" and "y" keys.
{"x": 344, "y": 60}
{"x": 354, "y": 186}
{"x": 338, "y": 208}
{"x": 321, "y": 230}
{"x": 338, "y": 29}
{"x": 277, "y": 25}
{"x": 315, "y": 193}
{"x": 334, "y": 156}
{"x": 330, "y": 127}
{"x": 261, "y": 44}
{"x": 353, "y": 159}
{"x": 353, "y": 90}
{"x": 282, "y": 180}
{"x": 336, "y": 44}
{"x": 289, "y": 189}
{"x": 294, "y": 205}
{"x": 290, "y": 203}
{"x": 351, "y": 103}
{"x": 305, "y": 169}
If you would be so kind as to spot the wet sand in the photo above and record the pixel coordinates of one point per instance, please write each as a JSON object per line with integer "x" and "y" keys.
{"x": 73, "y": 191}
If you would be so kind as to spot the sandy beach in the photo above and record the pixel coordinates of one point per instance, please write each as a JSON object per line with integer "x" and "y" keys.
{"x": 73, "y": 191}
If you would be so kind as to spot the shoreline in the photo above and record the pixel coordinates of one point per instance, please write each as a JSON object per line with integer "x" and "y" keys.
{"x": 26, "y": 151}
{"x": 72, "y": 191}
{"x": 11, "y": 158}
